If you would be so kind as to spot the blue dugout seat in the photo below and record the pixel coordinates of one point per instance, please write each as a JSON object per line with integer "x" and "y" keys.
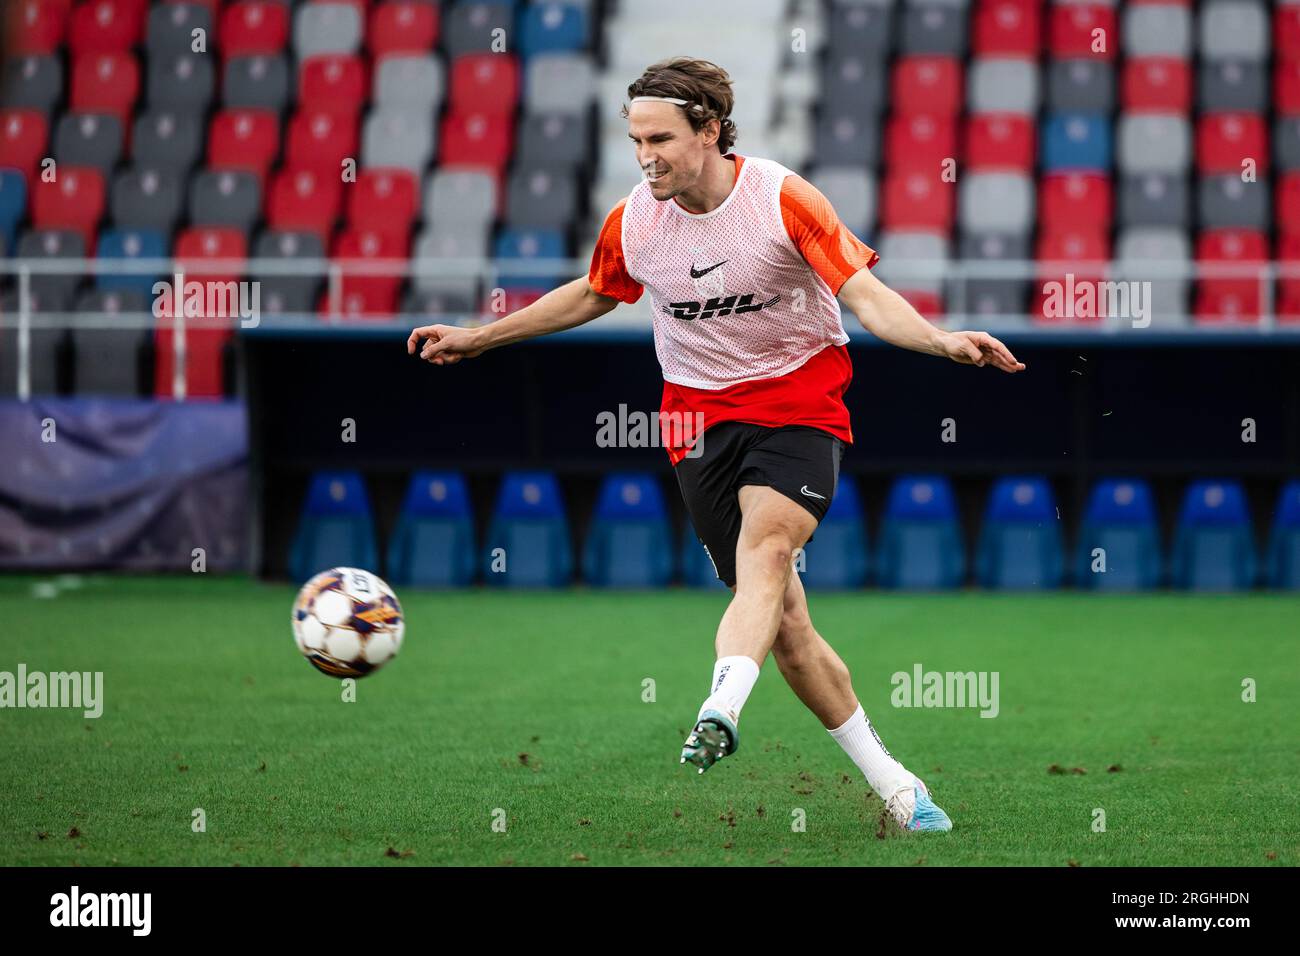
{"x": 921, "y": 544}
{"x": 629, "y": 544}
{"x": 336, "y": 528}
{"x": 1120, "y": 524}
{"x": 1214, "y": 547}
{"x": 433, "y": 543}
{"x": 529, "y": 534}
{"x": 1020, "y": 544}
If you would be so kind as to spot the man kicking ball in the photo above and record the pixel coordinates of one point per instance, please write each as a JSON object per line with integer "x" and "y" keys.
{"x": 744, "y": 260}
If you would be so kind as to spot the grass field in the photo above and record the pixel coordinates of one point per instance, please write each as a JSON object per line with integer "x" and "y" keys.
{"x": 530, "y": 706}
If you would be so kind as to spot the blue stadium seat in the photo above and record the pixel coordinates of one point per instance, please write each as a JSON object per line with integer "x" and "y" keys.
{"x": 1020, "y": 544}
{"x": 523, "y": 244}
{"x": 13, "y": 205}
{"x": 553, "y": 28}
{"x": 1121, "y": 520}
{"x": 921, "y": 546}
{"x": 837, "y": 557}
{"x": 1284, "y": 545}
{"x": 130, "y": 244}
{"x": 336, "y": 528}
{"x": 433, "y": 544}
{"x": 529, "y": 528}
{"x": 1076, "y": 141}
{"x": 629, "y": 544}
{"x": 697, "y": 568}
{"x": 1214, "y": 548}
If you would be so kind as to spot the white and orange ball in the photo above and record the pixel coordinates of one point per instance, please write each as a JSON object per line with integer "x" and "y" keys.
{"x": 347, "y": 622}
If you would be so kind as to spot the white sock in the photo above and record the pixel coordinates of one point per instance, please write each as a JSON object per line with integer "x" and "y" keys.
{"x": 861, "y": 742}
{"x": 733, "y": 679}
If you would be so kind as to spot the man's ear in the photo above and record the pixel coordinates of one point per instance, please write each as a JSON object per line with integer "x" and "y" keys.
{"x": 712, "y": 131}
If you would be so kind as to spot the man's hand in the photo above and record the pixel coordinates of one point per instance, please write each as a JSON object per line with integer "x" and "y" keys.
{"x": 980, "y": 348}
{"x": 444, "y": 344}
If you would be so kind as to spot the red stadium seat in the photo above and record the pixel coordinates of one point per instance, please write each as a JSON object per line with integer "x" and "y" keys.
{"x": 320, "y": 140}
{"x": 513, "y": 300}
{"x": 1288, "y": 201}
{"x": 36, "y": 26}
{"x": 929, "y": 304}
{"x": 1083, "y": 31}
{"x": 23, "y": 135}
{"x": 254, "y": 27}
{"x": 484, "y": 83}
{"x": 1070, "y": 260}
{"x": 917, "y": 199}
{"x": 1230, "y": 299}
{"x": 999, "y": 141}
{"x": 75, "y": 200}
{"x": 334, "y": 82}
{"x": 106, "y": 83}
{"x": 1074, "y": 201}
{"x": 378, "y": 293}
{"x": 1288, "y": 288}
{"x": 1157, "y": 85}
{"x": 476, "y": 139}
{"x": 244, "y": 139}
{"x": 304, "y": 199}
{"x": 928, "y": 84}
{"x": 1007, "y": 28}
{"x": 920, "y": 140}
{"x": 1286, "y": 32}
{"x": 383, "y": 200}
{"x": 106, "y": 26}
{"x": 1286, "y": 87}
{"x": 1224, "y": 140}
{"x": 195, "y": 248}
{"x": 402, "y": 27}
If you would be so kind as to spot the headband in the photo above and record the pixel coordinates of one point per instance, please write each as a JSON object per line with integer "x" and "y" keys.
{"x": 668, "y": 99}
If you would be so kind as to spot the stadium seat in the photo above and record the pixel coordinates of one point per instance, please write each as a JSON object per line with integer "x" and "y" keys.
{"x": 854, "y": 85}
{"x": 365, "y": 246}
{"x": 1214, "y": 548}
{"x": 1226, "y": 202}
{"x": 322, "y": 28}
{"x": 460, "y": 201}
{"x": 33, "y": 82}
{"x": 525, "y": 244}
{"x": 319, "y": 141}
{"x": 254, "y": 27}
{"x": 225, "y": 197}
{"x": 475, "y": 139}
{"x": 259, "y": 81}
{"x": 88, "y": 139}
{"x": 1154, "y": 143}
{"x": 1001, "y": 203}
{"x": 927, "y": 84}
{"x": 528, "y": 544}
{"x": 837, "y": 557}
{"x": 1080, "y": 86}
{"x": 1232, "y": 86}
{"x": 35, "y": 27}
{"x": 1155, "y": 200}
{"x": 402, "y": 27}
{"x": 171, "y": 27}
{"x": 108, "y": 361}
{"x": 996, "y": 300}
{"x": 858, "y": 29}
{"x": 697, "y": 566}
{"x": 332, "y": 81}
{"x": 629, "y": 544}
{"x": 105, "y": 83}
{"x": 75, "y": 200}
{"x": 1119, "y": 543}
{"x": 559, "y": 83}
{"x": 13, "y": 205}
{"x": 1020, "y": 543}
{"x": 1157, "y": 30}
{"x": 917, "y": 199}
{"x": 1225, "y": 140}
{"x": 244, "y": 139}
{"x": 1074, "y": 200}
{"x": 471, "y": 27}
{"x": 23, "y": 135}
{"x": 1231, "y": 298}
{"x": 184, "y": 82}
{"x": 1233, "y": 29}
{"x": 1000, "y": 85}
{"x": 304, "y": 200}
{"x": 412, "y": 83}
{"x": 920, "y": 539}
{"x": 335, "y": 529}
{"x": 164, "y": 139}
{"x": 1138, "y": 246}
{"x": 555, "y": 140}
{"x": 53, "y": 290}
{"x": 920, "y": 140}
{"x": 126, "y": 245}
{"x": 147, "y": 198}
{"x": 846, "y": 139}
{"x": 932, "y": 29}
{"x": 1007, "y": 28}
{"x": 1156, "y": 85}
{"x": 999, "y": 142}
{"x": 433, "y": 542}
{"x": 105, "y": 26}
{"x": 538, "y": 197}
{"x": 486, "y": 83}
{"x": 1082, "y": 30}
{"x": 1284, "y": 540}
{"x": 1076, "y": 141}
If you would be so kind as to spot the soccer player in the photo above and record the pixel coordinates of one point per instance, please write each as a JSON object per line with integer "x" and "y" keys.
{"x": 744, "y": 260}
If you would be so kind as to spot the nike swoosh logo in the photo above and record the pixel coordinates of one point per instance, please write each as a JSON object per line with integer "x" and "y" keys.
{"x": 696, "y": 273}
{"x": 811, "y": 494}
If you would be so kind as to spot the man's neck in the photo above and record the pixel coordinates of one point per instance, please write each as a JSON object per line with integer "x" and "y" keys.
{"x": 714, "y": 187}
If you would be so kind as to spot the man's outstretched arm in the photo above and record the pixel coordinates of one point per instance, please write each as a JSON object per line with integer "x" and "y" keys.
{"x": 566, "y": 307}
{"x": 888, "y": 316}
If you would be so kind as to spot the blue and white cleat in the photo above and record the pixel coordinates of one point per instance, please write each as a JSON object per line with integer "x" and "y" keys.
{"x": 714, "y": 737}
{"x": 913, "y": 809}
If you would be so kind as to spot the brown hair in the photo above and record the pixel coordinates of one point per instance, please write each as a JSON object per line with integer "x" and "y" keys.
{"x": 705, "y": 86}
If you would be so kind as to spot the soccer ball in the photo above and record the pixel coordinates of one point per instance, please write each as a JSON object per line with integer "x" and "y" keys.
{"x": 347, "y": 622}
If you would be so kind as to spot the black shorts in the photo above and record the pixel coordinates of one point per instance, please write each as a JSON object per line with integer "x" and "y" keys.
{"x": 801, "y": 462}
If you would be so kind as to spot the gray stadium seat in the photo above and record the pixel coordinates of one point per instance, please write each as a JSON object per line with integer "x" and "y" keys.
{"x": 107, "y": 361}
{"x": 1225, "y": 201}
{"x": 537, "y": 197}
{"x": 410, "y": 82}
{"x": 555, "y": 140}
{"x": 1286, "y": 143}
{"x": 184, "y": 82}
{"x": 172, "y": 25}
{"x": 932, "y": 28}
{"x": 912, "y": 260}
{"x": 1164, "y": 246}
{"x": 1154, "y": 143}
{"x": 851, "y": 191}
{"x": 165, "y": 139}
{"x": 435, "y": 302}
{"x": 469, "y": 27}
{"x": 1234, "y": 29}
{"x": 225, "y": 197}
{"x": 33, "y": 83}
{"x": 997, "y": 203}
{"x": 847, "y": 139}
{"x": 54, "y": 290}
{"x": 1154, "y": 200}
{"x": 321, "y": 28}
{"x": 432, "y": 246}
{"x": 1080, "y": 86}
{"x": 1002, "y": 299}
{"x": 89, "y": 139}
{"x": 559, "y": 83}
{"x": 256, "y": 82}
{"x": 460, "y": 200}
{"x": 288, "y": 294}
{"x": 854, "y": 86}
{"x": 860, "y": 29}
{"x": 1003, "y": 86}
{"x": 398, "y": 139}
{"x": 1235, "y": 85}
{"x": 1157, "y": 30}
{"x": 44, "y": 345}
{"x": 147, "y": 198}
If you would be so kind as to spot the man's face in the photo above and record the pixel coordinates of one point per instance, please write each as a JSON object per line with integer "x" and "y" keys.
{"x": 669, "y": 152}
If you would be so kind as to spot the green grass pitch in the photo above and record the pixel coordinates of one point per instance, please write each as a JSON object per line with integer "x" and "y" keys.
{"x": 528, "y": 709}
